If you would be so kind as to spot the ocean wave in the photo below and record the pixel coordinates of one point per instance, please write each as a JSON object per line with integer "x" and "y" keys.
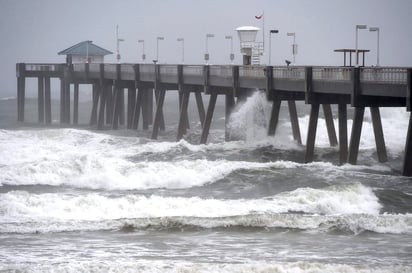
{"x": 353, "y": 223}
{"x": 124, "y": 265}
{"x": 354, "y": 208}
{"x": 85, "y": 159}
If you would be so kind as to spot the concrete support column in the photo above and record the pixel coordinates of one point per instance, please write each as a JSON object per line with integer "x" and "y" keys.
{"x": 21, "y": 90}
{"x": 274, "y": 116}
{"x": 230, "y": 104}
{"x": 208, "y": 118}
{"x": 47, "y": 100}
{"x": 294, "y": 121}
{"x": 313, "y": 124}
{"x": 355, "y": 135}
{"x": 76, "y": 104}
{"x": 343, "y": 133}
{"x": 40, "y": 99}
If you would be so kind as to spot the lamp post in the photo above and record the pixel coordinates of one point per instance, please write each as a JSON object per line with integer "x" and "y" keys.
{"x": 376, "y": 29}
{"x": 157, "y": 47}
{"x": 294, "y": 45}
{"x": 118, "y": 40}
{"x": 231, "y": 56}
{"x": 183, "y": 48}
{"x": 143, "y": 55}
{"x": 356, "y": 42}
{"x": 207, "y": 49}
{"x": 270, "y": 42}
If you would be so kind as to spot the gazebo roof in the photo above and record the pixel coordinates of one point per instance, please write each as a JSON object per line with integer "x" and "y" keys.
{"x": 85, "y": 48}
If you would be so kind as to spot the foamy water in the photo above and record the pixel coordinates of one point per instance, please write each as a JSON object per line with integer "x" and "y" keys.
{"x": 86, "y": 201}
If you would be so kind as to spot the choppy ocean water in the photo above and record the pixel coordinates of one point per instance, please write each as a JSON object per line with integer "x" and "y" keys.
{"x": 80, "y": 200}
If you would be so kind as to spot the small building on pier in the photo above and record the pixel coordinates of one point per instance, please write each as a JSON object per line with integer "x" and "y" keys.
{"x": 85, "y": 52}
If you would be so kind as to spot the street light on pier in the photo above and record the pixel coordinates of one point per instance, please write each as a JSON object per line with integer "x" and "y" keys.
{"x": 376, "y": 29}
{"x": 183, "y": 48}
{"x": 294, "y": 45}
{"x": 157, "y": 47}
{"x": 207, "y": 48}
{"x": 143, "y": 55}
{"x": 270, "y": 42}
{"x": 231, "y": 56}
{"x": 356, "y": 42}
{"x": 118, "y": 40}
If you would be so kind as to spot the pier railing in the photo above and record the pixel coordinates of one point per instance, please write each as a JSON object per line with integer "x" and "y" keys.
{"x": 388, "y": 75}
{"x": 222, "y": 75}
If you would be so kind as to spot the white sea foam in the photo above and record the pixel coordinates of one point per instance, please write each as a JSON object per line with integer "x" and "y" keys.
{"x": 128, "y": 266}
{"x": 352, "y": 207}
{"x": 249, "y": 122}
{"x": 89, "y": 160}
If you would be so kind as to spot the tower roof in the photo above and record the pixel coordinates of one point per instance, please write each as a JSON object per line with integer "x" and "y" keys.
{"x": 85, "y": 48}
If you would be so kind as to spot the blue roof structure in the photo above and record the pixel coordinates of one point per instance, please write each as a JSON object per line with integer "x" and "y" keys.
{"x": 85, "y": 48}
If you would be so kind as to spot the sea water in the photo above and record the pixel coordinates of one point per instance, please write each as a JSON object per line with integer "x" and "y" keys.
{"x": 80, "y": 200}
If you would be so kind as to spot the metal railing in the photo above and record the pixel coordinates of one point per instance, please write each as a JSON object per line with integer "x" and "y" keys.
{"x": 168, "y": 69}
{"x": 252, "y": 71}
{"x": 387, "y": 75}
{"x": 332, "y": 73}
{"x": 221, "y": 71}
{"x": 127, "y": 68}
{"x": 391, "y": 75}
{"x": 44, "y": 67}
{"x": 147, "y": 68}
{"x": 196, "y": 70}
{"x": 289, "y": 73}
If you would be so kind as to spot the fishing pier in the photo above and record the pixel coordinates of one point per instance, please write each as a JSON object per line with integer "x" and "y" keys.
{"x": 357, "y": 87}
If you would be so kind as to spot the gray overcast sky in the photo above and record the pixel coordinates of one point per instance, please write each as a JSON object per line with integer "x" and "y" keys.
{"x": 35, "y": 30}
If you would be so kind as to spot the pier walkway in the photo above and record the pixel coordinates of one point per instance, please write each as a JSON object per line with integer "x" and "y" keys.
{"x": 358, "y": 87}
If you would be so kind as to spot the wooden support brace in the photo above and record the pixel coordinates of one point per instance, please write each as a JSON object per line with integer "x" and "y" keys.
{"x": 378, "y": 132}
{"x": 310, "y": 141}
{"x": 274, "y": 116}
{"x": 159, "y": 113}
{"x": 208, "y": 118}
{"x": 343, "y": 133}
{"x": 327, "y": 110}
{"x": 355, "y": 135}
{"x": 294, "y": 121}
{"x": 407, "y": 160}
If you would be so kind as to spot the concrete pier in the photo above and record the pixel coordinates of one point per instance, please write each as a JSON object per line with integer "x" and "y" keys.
{"x": 360, "y": 88}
